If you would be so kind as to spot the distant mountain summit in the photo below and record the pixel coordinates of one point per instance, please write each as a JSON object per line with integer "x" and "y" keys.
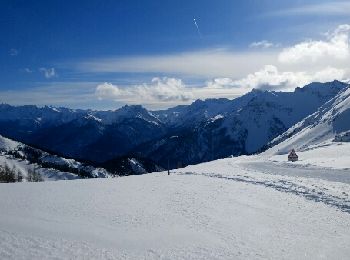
{"x": 205, "y": 130}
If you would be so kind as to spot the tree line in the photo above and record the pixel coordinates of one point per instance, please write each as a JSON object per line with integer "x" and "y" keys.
{"x": 8, "y": 174}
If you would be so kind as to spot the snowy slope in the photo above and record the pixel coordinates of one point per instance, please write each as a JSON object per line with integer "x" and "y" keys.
{"x": 23, "y": 166}
{"x": 51, "y": 167}
{"x": 320, "y": 139}
{"x": 328, "y": 155}
{"x": 330, "y": 122}
{"x": 217, "y": 210}
{"x": 48, "y": 174}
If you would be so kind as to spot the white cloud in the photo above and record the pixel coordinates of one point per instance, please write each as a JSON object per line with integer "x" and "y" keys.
{"x": 204, "y": 63}
{"x": 271, "y": 78}
{"x": 48, "y": 72}
{"x": 159, "y": 90}
{"x": 329, "y": 74}
{"x": 231, "y": 72}
{"x": 308, "y": 56}
{"x": 165, "y": 92}
{"x": 326, "y": 9}
{"x": 218, "y": 83}
{"x": 224, "y": 73}
{"x": 335, "y": 47}
{"x": 264, "y": 44}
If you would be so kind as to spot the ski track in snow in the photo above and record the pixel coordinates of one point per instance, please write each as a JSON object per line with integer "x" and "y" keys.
{"x": 318, "y": 195}
{"x": 333, "y": 175}
{"x": 328, "y": 186}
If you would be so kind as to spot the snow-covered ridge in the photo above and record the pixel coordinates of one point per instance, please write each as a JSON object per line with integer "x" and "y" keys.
{"x": 198, "y": 110}
{"x": 60, "y": 115}
{"x": 52, "y": 167}
{"x": 329, "y": 123}
{"x": 206, "y": 129}
{"x": 321, "y": 140}
{"x": 7, "y": 144}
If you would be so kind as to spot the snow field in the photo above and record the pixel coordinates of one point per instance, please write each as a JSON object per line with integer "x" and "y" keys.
{"x": 156, "y": 216}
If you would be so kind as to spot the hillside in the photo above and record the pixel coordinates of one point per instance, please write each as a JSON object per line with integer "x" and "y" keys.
{"x": 320, "y": 139}
{"x": 54, "y": 167}
{"x": 25, "y": 158}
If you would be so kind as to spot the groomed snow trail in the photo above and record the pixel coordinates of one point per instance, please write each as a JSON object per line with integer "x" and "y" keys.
{"x": 296, "y": 170}
{"x": 326, "y": 185}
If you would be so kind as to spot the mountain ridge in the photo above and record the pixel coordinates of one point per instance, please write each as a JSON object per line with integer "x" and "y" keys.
{"x": 205, "y": 130}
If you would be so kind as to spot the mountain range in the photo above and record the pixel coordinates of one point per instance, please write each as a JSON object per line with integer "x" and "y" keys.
{"x": 188, "y": 134}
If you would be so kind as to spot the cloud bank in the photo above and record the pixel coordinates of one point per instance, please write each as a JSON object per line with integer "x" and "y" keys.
{"x": 160, "y": 89}
{"x": 213, "y": 73}
{"x": 231, "y": 73}
{"x": 166, "y": 92}
{"x": 205, "y": 63}
{"x": 335, "y": 47}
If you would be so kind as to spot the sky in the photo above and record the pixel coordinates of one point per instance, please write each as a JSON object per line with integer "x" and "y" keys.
{"x": 105, "y": 54}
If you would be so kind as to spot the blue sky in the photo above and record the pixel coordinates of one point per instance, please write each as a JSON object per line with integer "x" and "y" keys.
{"x": 103, "y": 54}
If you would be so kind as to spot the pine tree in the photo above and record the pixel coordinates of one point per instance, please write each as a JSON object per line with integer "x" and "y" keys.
{"x": 30, "y": 175}
{"x": 19, "y": 176}
{"x": 7, "y": 174}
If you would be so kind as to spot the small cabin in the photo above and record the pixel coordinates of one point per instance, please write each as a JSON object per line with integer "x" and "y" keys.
{"x": 292, "y": 156}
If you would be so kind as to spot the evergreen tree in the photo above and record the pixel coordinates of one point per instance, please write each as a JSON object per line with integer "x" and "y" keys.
{"x": 7, "y": 174}
{"x": 19, "y": 176}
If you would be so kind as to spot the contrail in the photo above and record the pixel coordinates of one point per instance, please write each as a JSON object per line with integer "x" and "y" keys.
{"x": 195, "y": 23}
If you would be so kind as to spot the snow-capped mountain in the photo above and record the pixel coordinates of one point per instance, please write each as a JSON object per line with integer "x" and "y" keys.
{"x": 53, "y": 167}
{"x": 212, "y": 129}
{"x": 329, "y": 124}
{"x": 83, "y": 134}
{"x": 202, "y": 131}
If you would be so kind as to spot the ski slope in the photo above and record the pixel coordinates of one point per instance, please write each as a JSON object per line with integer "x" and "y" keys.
{"x": 218, "y": 210}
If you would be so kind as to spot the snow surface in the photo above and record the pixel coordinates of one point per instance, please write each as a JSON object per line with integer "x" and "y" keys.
{"x": 328, "y": 155}
{"x": 7, "y": 144}
{"x": 225, "y": 209}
